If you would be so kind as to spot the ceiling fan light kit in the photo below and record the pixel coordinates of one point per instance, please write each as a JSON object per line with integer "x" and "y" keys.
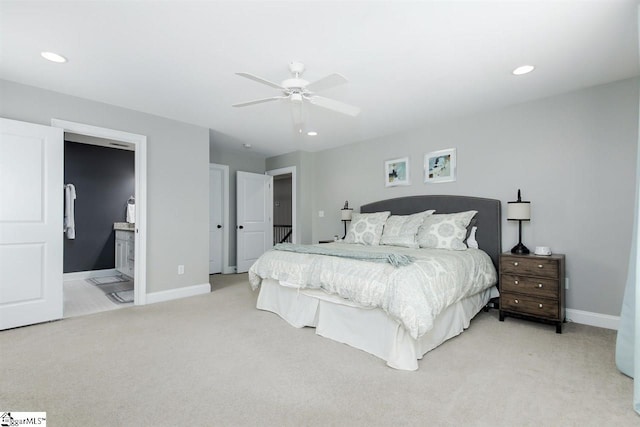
{"x": 298, "y": 90}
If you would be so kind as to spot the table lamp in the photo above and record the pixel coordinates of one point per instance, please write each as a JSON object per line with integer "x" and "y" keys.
{"x": 345, "y": 215}
{"x": 519, "y": 211}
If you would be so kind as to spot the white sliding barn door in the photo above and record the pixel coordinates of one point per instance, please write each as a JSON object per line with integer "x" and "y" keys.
{"x": 254, "y": 210}
{"x": 31, "y": 204}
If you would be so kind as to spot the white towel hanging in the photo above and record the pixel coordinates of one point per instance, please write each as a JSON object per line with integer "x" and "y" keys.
{"x": 69, "y": 208}
{"x": 131, "y": 210}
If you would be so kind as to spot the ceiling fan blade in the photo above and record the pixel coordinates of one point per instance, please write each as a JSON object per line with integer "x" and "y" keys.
{"x": 332, "y": 80}
{"x": 259, "y": 101}
{"x": 260, "y": 80}
{"x": 334, "y": 105}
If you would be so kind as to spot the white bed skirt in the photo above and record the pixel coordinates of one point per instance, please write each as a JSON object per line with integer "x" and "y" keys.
{"x": 367, "y": 329}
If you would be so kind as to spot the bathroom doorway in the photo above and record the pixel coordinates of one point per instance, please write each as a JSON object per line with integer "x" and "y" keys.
{"x": 104, "y": 249}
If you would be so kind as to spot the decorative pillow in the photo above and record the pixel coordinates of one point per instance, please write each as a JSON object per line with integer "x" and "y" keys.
{"x": 471, "y": 239}
{"x": 366, "y": 228}
{"x": 445, "y": 231}
{"x": 402, "y": 230}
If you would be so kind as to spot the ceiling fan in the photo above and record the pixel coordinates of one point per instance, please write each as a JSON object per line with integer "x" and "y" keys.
{"x": 297, "y": 90}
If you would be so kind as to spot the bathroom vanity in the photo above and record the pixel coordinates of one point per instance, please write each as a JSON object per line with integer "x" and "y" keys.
{"x": 125, "y": 248}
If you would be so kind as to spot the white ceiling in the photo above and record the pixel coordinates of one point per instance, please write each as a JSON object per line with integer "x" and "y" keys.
{"x": 408, "y": 63}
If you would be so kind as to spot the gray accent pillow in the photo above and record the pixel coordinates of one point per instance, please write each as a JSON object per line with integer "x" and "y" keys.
{"x": 445, "y": 231}
{"x": 366, "y": 228}
{"x": 402, "y": 230}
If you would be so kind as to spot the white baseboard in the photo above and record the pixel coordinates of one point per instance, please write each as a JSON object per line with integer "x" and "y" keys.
{"x": 177, "y": 293}
{"x": 593, "y": 319}
{"x": 81, "y": 275}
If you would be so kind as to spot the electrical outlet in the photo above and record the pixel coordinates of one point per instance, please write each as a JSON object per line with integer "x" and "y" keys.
{"x": 181, "y": 269}
{"x": 566, "y": 283}
{"x": 321, "y": 214}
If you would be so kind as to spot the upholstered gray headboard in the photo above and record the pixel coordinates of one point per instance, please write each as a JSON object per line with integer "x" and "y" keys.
{"x": 488, "y": 219}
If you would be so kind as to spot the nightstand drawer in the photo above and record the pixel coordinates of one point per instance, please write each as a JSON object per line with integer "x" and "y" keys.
{"x": 525, "y": 304}
{"x": 533, "y": 286}
{"x": 534, "y": 266}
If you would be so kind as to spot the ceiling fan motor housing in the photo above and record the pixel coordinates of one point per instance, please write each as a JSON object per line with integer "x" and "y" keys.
{"x": 295, "y": 83}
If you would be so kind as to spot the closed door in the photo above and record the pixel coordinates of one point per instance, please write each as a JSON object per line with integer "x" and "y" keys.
{"x": 216, "y": 226}
{"x": 31, "y": 227}
{"x": 254, "y": 212}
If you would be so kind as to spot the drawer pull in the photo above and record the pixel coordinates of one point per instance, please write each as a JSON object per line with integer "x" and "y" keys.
{"x": 540, "y": 266}
{"x": 515, "y": 282}
{"x": 515, "y": 263}
{"x": 540, "y": 305}
{"x": 516, "y": 301}
{"x": 539, "y": 285}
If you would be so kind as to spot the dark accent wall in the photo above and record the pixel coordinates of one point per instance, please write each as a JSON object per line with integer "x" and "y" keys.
{"x": 104, "y": 179}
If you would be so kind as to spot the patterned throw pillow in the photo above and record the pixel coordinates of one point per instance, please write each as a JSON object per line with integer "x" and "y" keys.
{"x": 402, "y": 230}
{"x": 366, "y": 228}
{"x": 445, "y": 231}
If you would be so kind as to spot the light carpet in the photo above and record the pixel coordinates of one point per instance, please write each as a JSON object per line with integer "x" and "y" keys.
{"x": 214, "y": 360}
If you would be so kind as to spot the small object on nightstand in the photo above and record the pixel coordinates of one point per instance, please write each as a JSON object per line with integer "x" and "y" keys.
{"x": 543, "y": 250}
{"x": 532, "y": 286}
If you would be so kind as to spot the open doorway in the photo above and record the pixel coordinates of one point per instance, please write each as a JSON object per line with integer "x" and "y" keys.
{"x": 114, "y": 227}
{"x": 284, "y": 205}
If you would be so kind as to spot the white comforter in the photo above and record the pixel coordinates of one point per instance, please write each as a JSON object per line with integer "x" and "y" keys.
{"x": 413, "y": 295}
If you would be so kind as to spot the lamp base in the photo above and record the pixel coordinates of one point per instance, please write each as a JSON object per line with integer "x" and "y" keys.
{"x": 520, "y": 249}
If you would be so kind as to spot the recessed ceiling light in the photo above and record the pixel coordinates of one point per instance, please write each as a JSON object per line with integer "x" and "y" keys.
{"x": 246, "y": 145}
{"x": 53, "y": 57}
{"x": 524, "y": 69}
{"x": 312, "y": 133}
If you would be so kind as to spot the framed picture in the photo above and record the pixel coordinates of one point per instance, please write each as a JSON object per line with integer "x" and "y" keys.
{"x": 396, "y": 172}
{"x": 440, "y": 166}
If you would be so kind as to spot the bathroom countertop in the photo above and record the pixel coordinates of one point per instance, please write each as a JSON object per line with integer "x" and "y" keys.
{"x": 124, "y": 226}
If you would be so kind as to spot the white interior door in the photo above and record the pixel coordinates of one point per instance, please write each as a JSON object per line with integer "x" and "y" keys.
{"x": 216, "y": 224}
{"x": 254, "y": 210}
{"x": 31, "y": 204}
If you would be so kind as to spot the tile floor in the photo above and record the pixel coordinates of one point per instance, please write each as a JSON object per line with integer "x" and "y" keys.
{"x": 81, "y": 298}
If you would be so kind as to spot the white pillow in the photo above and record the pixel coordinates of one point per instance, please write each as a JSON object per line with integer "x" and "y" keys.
{"x": 445, "y": 231}
{"x": 402, "y": 230}
{"x": 471, "y": 240}
{"x": 366, "y": 228}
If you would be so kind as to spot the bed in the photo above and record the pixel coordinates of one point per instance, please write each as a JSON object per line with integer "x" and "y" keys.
{"x": 382, "y": 308}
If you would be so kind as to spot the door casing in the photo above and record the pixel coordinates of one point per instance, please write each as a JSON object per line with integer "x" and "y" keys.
{"x": 140, "y": 143}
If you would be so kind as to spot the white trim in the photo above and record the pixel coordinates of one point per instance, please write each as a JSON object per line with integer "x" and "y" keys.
{"x": 140, "y": 143}
{"x": 294, "y": 197}
{"x": 81, "y": 275}
{"x": 178, "y": 293}
{"x": 593, "y": 319}
{"x": 225, "y": 214}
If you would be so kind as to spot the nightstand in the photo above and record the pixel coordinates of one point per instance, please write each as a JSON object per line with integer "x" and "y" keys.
{"x": 532, "y": 286}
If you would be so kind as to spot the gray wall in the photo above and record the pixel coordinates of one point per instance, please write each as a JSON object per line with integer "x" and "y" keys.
{"x": 572, "y": 155}
{"x": 104, "y": 179}
{"x": 177, "y": 176}
{"x": 244, "y": 161}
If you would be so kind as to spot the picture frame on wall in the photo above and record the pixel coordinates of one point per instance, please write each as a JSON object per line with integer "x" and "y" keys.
{"x": 396, "y": 172}
{"x": 440, "y": 166}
